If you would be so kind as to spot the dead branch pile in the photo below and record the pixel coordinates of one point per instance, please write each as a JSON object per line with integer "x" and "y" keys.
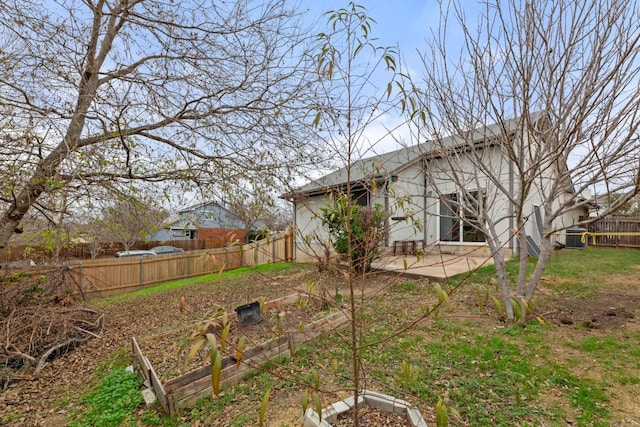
{"x": 38, "y": 285}
{"x": 32, "y": 335}
{"x": 41, "y": 318}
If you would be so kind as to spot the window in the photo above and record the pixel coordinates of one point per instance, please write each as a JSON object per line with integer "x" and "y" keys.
{"x": 183, "y": 234}
{"x": 449, "y": 219}
{"x": 360, "y": 196}
{"x": 458, "y": 219}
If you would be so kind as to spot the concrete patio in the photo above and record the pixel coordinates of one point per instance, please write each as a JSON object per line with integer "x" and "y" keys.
{"x": 435, "y": 266}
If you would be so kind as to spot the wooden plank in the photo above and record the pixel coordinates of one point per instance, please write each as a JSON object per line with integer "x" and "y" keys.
{"x": 195, "y": 375}
{"x": 149, "y": 374}
{"x": 185, "y": 390}
{"x": 263, "y": 348}
{"x": 279, "y": 302}
{"x": 158, "y": 389}
{"x": 205, "y": 371}
{"x": 258, "y": 354}
{"x": 145, "y": 366}
{"x": 232, "y": 375}
{"x": 319, "y": 327}
{"x": 616, "y": 225}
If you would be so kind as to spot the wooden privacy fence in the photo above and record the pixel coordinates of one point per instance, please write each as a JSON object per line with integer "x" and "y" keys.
{"x": 103, "y": 277}
{"x": 618, "y": 232}
{"x": 83, "y": 250}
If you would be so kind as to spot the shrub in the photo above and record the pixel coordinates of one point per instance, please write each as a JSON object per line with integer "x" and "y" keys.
{"x": 362, "y": 227}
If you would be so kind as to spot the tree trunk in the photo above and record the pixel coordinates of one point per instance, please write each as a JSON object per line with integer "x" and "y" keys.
{"x": 10, "y": 221}
{"x": 545, "y": 251}
{"x": 501, "y": 269}
{"x": 45, "y": 175}
{"x": 523, "y": 248}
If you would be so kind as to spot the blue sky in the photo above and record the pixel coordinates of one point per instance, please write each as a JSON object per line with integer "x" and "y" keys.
{"x": 405, "y": 23}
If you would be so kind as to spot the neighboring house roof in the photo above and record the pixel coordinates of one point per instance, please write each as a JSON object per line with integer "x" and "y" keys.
{"x": 203, "y": 206}
{"x": 603, "y": 202}
{"x": 388, "y": 164}
{"x": 206, "y": 215}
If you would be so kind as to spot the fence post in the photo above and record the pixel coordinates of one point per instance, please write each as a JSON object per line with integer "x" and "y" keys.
{"x": 288, "y": 247}
{"x": 141, "y": 267}
{"x": 80, "y": 278}
{"x": 273, "y": 250}
{"x": 188, "y": 264}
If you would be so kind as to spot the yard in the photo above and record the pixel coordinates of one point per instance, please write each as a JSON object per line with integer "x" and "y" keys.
{"x": 576, "y": 361}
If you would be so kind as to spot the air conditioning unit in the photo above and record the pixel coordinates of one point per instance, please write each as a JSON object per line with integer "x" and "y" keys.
{"x": 574, "y": 238}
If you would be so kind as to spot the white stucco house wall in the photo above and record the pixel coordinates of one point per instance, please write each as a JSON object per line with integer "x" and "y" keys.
{"x": 414, "y": 187}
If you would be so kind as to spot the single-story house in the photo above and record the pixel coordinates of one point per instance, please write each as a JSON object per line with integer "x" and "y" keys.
{"x": 203, "y": 221}
{"x": 420, "y": 177}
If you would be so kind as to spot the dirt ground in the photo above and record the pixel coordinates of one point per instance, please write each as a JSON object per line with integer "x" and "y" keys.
{"x": 169, "y": 351}
{"x": 610, "y": 308}
{"x": 614, "y": 311}
{"x": 50, "y": 397}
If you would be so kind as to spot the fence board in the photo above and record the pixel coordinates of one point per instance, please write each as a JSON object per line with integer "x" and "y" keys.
{"x": 145, "y": 366}
{"x": 110, "y": 276}
{"x": 618, "y": 232}
{"x": 82, "y": 251}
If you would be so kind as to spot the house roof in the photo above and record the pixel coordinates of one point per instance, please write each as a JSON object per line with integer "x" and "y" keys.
{"x": 200, "y": 216}
{"x": 385, "y": 165}
{"x": 202, "y": 205}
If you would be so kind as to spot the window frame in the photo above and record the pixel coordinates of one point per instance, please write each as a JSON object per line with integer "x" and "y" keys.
{"x": 460, "y": 220}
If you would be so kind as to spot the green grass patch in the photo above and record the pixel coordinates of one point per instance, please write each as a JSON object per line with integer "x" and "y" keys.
{"x": 598, "y": 344}
{"x": 592, "y": 399}
{"x": 409, "y": 287}
{"x": 589, "y": 268}
{"x": 113, "y": 401}
{"x": 592, "y": 263}
{"x": 11, "y": 417}
{"x": 225, "y": 275}
{"x": 618, "y": 357}
{"x": 490, "y": 374}
{"x": 492, "y": 378}
{"x": 114, "y": 398}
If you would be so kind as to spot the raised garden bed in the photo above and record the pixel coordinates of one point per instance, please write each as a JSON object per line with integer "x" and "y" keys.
{"x": 339, "y": 414}
{"x": 279, "y": 333}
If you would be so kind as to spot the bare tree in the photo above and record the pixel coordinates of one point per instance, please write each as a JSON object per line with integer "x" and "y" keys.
{"x": 90, "y": 232}
{"x": 109, "y": 92}
{"x": 560, "y": 81}
{"x": 255, "y": 205}
{"x": 131, "y": 220}
{"x": 51, "y": 225}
